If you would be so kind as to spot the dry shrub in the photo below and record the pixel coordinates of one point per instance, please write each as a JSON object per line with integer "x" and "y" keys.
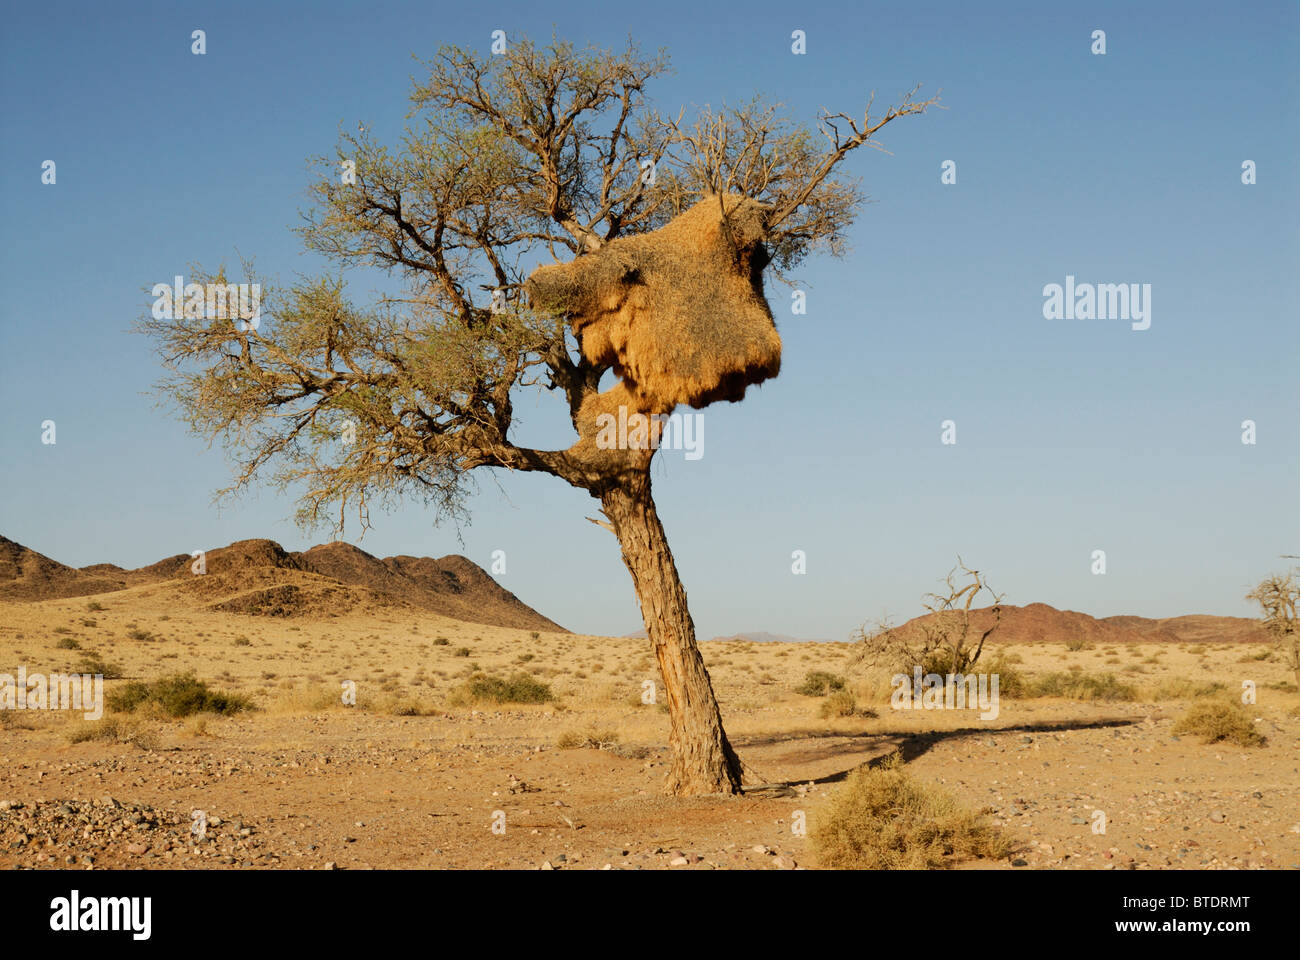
{"x": 132, "y": 730}
{"x": 948, "y": 638}
{"x": 312, "y": 698}
{"x": 1084, "y": 686}
{"x": 178, "y": 695}
{"x": 883, "y": 819}
{"x": 481, "y": 688}
{"x": 196, "y": 727}
{"x": 1215, "y": 720}
{"x": 12, "y": 720}
{"x": 1180, "y": 688}
{"x": 319, "y": 697}
{"x": 1012, "y": 683}
{"x": 590, "y": 738}
{"x": 842, "y": 703}
{"x": 93, "y": 664}
{"x": 403, "y": 707}
{"x": 818, "y": 683}
{"x": 876, "y": 686}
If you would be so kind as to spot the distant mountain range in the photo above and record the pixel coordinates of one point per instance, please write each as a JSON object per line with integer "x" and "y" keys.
{"x": 261, "y": 577}
{"x": 762, "y": 636}
{"x": 1038, "y": 621}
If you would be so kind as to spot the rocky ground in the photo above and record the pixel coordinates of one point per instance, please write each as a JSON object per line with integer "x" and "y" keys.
{"x": 406, "y": 779}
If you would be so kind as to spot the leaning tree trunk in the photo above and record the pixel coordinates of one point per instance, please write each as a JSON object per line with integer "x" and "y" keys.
{"x": 702, "y": 759}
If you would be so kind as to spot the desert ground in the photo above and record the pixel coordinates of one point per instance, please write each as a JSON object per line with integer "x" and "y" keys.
{"x": 412, "y": 776}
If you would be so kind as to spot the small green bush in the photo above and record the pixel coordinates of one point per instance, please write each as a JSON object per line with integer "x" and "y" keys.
{"x": 92, "y": 663}
{"x": 179, "y": 695}
{"x": 818, "y": 683}
{"x": 519, "y": 688}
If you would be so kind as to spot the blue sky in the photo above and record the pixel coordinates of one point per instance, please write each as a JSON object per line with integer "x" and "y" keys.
{"x": 1072, "y": 435}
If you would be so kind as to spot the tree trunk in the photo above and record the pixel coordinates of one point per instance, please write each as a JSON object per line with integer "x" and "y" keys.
{"x": 702, "y": 759}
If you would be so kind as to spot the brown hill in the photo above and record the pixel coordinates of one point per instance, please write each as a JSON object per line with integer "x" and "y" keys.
{"x": 1038, "y": 621}
{"x": 28, "y": 575}
{"x": 261, "y": 577}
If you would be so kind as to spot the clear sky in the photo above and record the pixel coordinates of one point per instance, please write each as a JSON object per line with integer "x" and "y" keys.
{"x": 1072, "y": 435}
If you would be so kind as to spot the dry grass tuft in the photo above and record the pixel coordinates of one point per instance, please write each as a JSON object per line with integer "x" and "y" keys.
{"x": 1215, "y": 720}
{"x": 883, "y": 819}
{"x": 842, "y": 703}
{"x": 132, "y": 730}
{"x": 590, "y": 738}
{"x": 1084, "y": 686}
{"x": 1181, "y": 688}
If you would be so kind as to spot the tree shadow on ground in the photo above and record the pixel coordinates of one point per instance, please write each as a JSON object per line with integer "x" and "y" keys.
{"x": 909, "y": 745}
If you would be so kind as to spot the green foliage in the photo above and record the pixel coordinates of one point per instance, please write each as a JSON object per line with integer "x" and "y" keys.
{"x": 178, "y": 695}
{"x": 818, "y": 683}
{"x": 92, "y": 663}
{"x": 482, "y": 688}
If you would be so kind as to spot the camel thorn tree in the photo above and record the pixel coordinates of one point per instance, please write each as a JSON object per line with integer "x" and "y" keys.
{"x": 1278, "y": 597}
{"x": 546, "y": 225}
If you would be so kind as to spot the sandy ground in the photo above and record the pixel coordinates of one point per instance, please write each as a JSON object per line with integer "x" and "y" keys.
{"x": 299, "y": 785}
